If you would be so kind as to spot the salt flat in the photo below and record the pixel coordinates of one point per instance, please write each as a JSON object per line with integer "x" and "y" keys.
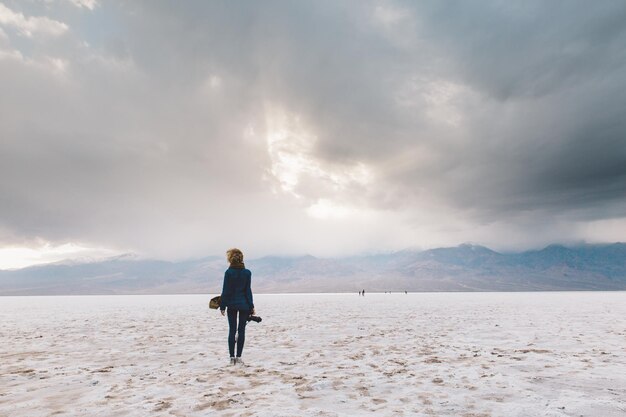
{"x": 441, "y": 354}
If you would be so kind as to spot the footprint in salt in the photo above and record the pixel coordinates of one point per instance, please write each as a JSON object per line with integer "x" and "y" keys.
{"x": 363, "y": 390}
{"x": 425, "y": 399}
{"x": 163, "y": 405}
{"x": 338, "y": 384}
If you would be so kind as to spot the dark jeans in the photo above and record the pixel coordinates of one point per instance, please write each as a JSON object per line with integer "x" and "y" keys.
{"x": 233, "y": 327}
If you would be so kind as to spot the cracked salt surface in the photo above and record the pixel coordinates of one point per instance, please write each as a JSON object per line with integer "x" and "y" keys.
{"x": 430, "y": 354}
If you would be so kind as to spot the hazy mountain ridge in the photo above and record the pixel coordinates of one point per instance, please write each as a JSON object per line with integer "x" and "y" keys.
{"x": 462, "y": 268}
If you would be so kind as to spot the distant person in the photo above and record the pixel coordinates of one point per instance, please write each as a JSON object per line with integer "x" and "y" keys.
{"x": 237, "y": 297}
{"x": 363, "y": 293}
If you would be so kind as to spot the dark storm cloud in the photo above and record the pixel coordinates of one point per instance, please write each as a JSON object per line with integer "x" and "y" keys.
{"x": 555, "y": 73}
{"x": 144, "y": 125}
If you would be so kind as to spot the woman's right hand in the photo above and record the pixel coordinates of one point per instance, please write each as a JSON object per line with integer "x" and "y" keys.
{"x": 252, "y": 312}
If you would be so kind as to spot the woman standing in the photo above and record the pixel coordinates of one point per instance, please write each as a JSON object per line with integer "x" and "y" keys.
{"x": 237, "y": 296}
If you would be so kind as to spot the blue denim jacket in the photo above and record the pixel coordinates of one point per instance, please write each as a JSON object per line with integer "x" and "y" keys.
{"x": 236, "y": 292}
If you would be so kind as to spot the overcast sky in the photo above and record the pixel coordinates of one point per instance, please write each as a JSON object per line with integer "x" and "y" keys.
{"x": 180, "y": 129}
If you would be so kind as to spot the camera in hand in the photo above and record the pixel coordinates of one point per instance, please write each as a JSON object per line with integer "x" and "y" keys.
{"x": 256, "y": 319}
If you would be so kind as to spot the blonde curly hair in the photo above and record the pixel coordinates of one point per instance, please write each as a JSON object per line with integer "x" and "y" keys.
{"x": 234, "y": 256}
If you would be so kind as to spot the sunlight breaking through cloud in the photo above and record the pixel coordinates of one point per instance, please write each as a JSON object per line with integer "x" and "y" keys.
{"x": 290, "y": 146}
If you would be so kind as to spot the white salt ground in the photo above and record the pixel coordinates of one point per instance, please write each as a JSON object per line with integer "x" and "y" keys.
{"x": 438, "y": 354}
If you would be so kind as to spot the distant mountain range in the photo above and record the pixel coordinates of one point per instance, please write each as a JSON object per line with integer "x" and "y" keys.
{"x": 462, "y": 268}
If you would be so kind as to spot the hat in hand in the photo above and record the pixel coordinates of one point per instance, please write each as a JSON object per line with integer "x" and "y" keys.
{"x": 215, "y": 302}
